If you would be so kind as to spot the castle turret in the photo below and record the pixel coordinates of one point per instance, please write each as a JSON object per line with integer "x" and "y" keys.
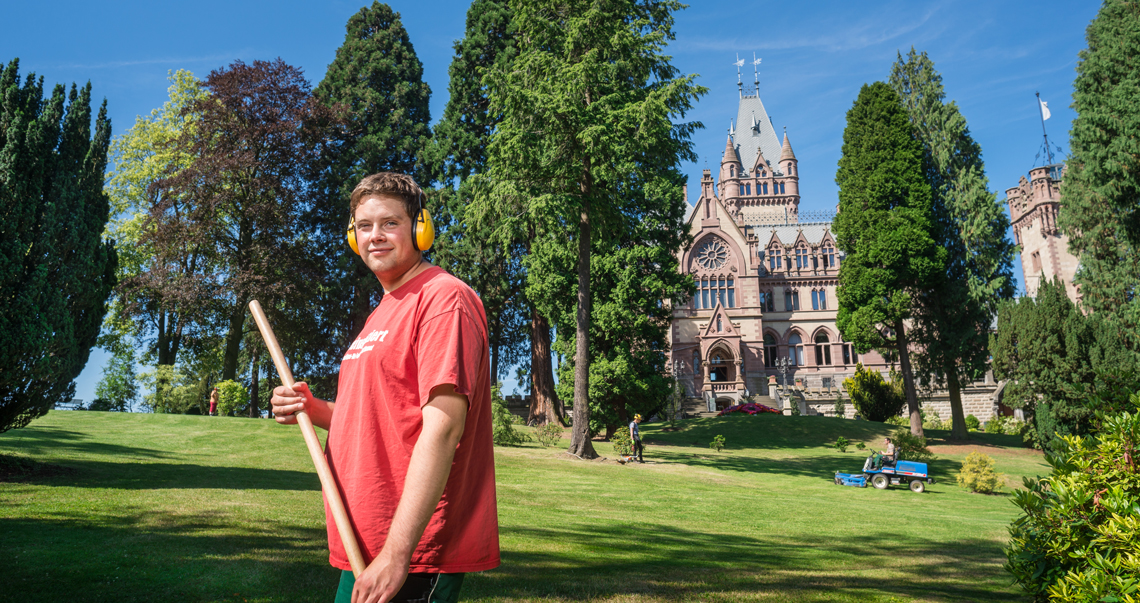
{"x": 790, "y": 167}
{"x": 730, "y": 171}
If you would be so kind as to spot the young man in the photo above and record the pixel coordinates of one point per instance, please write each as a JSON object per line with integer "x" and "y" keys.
{"x": 635, "y": 436}
{"x": 410, "y": 433}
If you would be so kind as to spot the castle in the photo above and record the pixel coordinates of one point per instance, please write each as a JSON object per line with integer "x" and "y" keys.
{"x": 765, "y": 308}
{"x": 1033, "y": 206}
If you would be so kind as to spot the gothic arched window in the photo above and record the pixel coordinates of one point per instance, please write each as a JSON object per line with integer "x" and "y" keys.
{"x": 795, "y": 350}
{"x": 822, "y": 350}
{"x": 769, "y": 350}
{"x": 710, "y": 291}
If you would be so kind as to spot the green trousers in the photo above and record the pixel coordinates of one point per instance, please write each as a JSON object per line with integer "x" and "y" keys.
{"x": 425, "y": 588}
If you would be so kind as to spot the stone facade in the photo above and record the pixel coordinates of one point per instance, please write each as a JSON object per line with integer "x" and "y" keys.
{"x": 1033, "y": 206}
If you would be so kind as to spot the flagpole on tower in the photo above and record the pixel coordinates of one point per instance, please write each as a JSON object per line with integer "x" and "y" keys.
{"x": 1044, "y": 107}
{"x": 739, "y": 84}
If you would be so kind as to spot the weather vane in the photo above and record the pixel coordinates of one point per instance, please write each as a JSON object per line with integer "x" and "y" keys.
{"x": 756, "y": 73}
{"x": 739, "y": 85}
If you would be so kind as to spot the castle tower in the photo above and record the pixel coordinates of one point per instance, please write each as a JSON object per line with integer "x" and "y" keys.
{"x": 1033, "y": 207}
{"x": 789, "y": 166}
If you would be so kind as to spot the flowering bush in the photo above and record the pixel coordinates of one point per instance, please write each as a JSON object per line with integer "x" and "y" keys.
{"x": 750, "y": 408}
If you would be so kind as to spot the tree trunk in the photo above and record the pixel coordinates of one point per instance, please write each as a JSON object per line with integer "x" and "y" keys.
{"x": 233, "y": 343}
{"x": 580, "y": 444}
{"x": 908, "y": 380}
{"x": 545, "y": 407}
{"x": 956, "y": 413}
{"x": 495, "y": 336}
{"x": 254, "y": 382}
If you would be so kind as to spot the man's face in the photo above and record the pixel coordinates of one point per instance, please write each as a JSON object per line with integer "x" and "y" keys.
{"x": 384, "y": 236}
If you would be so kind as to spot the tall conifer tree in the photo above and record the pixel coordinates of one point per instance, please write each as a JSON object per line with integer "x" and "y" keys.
{"x": 885, "y": 227}
{"x": 586, "y": 142}
{"x": 951, "y": 322}
{"x": 1100, "y": 193}
{"x": 1060, "y": 366}
{"x": 472, "y": 249}
{"x": 56, "y": 272}
{"x": 377, "y": 80}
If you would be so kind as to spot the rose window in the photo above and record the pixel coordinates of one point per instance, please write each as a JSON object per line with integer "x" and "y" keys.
{"x": 712, "y": 255}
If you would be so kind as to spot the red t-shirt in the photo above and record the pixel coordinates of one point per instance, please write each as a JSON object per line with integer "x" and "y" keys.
{"x": 430, "y": 331}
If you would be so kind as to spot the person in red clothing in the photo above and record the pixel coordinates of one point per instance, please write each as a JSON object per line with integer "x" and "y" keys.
{"x": 410, "y": 432}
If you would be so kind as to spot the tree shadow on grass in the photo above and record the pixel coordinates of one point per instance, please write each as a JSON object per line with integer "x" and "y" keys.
{"x": 48, "y": 441}
{"x": 146, "y": 557}
{"x": 670, "y": 563}
{"x": 77, "y": 473}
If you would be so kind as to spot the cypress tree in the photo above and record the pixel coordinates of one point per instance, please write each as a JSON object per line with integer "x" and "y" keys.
{"x": 56, "y": 272}
{"x": 1100, "y": 193}
{"x": 885, "y": 227}
{"x": 377, "y": 81}
{"x": 951, "y": 322}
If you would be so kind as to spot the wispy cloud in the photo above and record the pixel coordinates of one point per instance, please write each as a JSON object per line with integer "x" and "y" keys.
{"x": 215, "y": 58}
{"x": 841, "y": 37}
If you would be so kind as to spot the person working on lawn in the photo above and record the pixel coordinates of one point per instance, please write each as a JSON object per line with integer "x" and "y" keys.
{"x": 635, "y": 437}
{"x": 888, "y": 456}
{"x": 410, "y": 432}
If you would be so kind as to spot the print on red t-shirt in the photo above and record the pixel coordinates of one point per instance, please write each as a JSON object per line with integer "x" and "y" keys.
{"x": 429, "y": 332}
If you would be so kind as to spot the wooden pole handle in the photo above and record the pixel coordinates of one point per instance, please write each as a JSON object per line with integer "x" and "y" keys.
{"x": 328, "y": 481}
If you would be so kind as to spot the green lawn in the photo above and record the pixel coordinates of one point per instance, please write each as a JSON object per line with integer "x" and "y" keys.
{"x": 135, "y": 507}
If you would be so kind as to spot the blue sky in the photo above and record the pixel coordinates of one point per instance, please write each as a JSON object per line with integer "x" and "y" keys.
{"x": 993, "y": 57}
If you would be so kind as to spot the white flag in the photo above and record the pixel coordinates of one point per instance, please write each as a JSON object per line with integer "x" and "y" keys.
{"x": 1044, "y": 109}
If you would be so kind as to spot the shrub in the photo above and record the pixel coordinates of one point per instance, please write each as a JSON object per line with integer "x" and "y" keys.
{"x": 717, "y": 443}
{"x": 860, "y": 446}
{"x": 503, "y": 422}
{"x": 972, "y": 423}
{"x": 874, "y": 398}
{"x": 840, "y": 406}
{"x": 1003, "y": 425}
{"x": 231, "y": 396}
{"x": 549, "y": 434}
{"x": 1078, "y": 538}
{"x": 623, "y": 444}
{"x": 978, "y": 474}
{"x": 841, "y": 444}
{"x": 898, "y": 421}
{"x": 911, "y": 447}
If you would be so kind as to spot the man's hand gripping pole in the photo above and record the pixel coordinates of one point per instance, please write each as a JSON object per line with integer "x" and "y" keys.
{"x": 328, "y": 482}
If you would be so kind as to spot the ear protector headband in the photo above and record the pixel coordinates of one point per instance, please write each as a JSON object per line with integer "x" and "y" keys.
{"x": 423, "y": 230}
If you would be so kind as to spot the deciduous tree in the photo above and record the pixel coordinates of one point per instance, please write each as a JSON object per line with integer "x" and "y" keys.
{"x": 586, "y": 136}
{"x": 885, "y": 227}
{"x": 951, "y": 322}
{"x": 163, "y": 303}
{"x": 244, "y": 194}
{"x": 56, "y": 271}
{"x": 1100, "y": 193}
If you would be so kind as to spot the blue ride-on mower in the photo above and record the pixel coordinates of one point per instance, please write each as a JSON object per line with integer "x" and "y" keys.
{"x": 881, "y": 473}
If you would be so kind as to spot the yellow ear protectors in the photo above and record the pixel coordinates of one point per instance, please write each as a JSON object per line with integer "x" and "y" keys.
{"x": 352, "y": 235}
{"x": 423, "y": 230}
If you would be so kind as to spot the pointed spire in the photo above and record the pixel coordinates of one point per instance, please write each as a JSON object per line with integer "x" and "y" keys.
{"x": 729, "y": 152}
{"x": 786, "y": 151}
